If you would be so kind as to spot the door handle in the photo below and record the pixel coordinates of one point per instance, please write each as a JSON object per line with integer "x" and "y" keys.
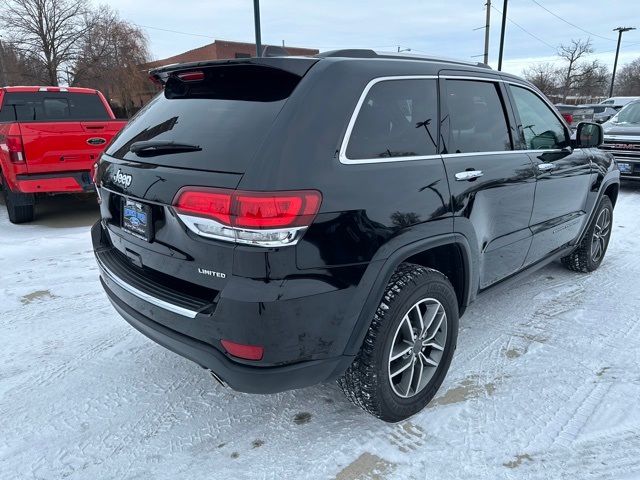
{"x": 468, "y": 175}
{"x": 545, "y": 167}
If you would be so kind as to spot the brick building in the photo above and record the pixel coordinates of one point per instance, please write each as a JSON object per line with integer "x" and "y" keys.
{"x": 222, "y": 49}
{"x": 218, "y": 50}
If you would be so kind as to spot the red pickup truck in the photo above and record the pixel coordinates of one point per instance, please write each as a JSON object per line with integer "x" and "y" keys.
{"x": 50, "y": 138}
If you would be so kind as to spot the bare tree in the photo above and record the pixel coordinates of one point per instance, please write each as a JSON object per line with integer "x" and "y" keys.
{"x": 17, "y": 68}
{"x": 628, "y": 79}
{"x": 592, "y": 79}
{"x": 110, "y": 58}
{"x": 571, "y": 54}
{"x": 48, "y": 30}
{"x": 544, "y": 76}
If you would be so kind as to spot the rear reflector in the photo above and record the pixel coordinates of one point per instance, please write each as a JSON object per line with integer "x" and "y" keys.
{"x": 248, "y": 352}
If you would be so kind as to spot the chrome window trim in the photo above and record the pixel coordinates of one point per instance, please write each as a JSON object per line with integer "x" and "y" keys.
{"x": 185, "y": 312}
{"x": 347, "y": 136}
{"x": 342, "y": 156}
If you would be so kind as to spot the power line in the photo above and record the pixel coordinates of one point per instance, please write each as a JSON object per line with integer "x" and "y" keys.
{"x": 526, "y": 31}
{"x": 569, "y": 23}
{"x": 173, "y": 31}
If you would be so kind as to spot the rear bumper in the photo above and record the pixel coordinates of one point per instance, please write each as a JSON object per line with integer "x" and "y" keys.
{"x": 59, "y": 182}
{"x": 302, "y": 325}
{"x": 240, "y": 377}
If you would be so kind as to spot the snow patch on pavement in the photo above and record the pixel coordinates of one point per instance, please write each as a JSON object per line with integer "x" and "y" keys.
{"x": 544, "y": 384}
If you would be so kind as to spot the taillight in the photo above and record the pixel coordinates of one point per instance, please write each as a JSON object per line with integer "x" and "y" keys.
{"x": 15, "y": 148}
{"x": 568, "y": 117}
{"x": 96, "y": 181}
{"x": 259, "y": 218}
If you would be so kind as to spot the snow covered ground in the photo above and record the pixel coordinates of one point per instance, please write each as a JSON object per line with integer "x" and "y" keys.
{"x": 545, "y": 383}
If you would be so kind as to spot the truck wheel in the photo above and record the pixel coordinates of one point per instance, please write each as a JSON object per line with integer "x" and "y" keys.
{"x": 408, "y": 348}
{"x": 590, "y": 252}
{"x": 19, "y": 206}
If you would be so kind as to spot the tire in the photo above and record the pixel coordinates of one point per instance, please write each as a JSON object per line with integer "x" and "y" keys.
{"x": 369, "y": 382}
{"x": 20, "y": 207}
{"x": 591, "y": 250}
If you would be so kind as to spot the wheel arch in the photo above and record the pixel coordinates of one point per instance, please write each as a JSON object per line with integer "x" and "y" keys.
{"x": 611, "y": 191}
{"x": 450, "y": 252}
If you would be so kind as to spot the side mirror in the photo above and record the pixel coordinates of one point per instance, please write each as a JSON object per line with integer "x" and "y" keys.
{"x": 589, "y": 135}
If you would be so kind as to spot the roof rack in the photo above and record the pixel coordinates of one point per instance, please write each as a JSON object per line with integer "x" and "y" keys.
{"x": 367, "y": 53}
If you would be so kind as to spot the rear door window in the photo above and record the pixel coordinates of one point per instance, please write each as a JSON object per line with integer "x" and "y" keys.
{"x": 477, "y": 121}
{"x": 398, "y": 118}
{"x": 52, "y": 107}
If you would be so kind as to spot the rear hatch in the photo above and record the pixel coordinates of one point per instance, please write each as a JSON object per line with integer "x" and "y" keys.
{"x": 203, "y": 130}
{"x": 61, "y": 131}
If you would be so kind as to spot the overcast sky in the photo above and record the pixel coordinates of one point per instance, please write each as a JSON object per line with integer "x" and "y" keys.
{"x": 438, "y": 27}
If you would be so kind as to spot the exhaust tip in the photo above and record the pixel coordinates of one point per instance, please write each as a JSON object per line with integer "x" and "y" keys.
{"x": 218, "y": 379}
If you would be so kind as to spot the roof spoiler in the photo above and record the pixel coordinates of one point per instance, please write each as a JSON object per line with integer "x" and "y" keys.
{"x": 295, "y": 65}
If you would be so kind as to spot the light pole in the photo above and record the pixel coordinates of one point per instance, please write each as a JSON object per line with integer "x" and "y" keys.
{"x": 256, "y": 19}
{"x": 502, "y": 32}
{"x": 620, "y": 31}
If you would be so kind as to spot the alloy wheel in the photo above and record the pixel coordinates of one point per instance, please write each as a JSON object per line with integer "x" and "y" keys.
{"x": 601, "y": 235}
{"x": 417, "y": 347}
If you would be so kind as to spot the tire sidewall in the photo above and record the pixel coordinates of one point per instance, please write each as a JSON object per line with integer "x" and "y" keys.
{"x": 430, "y": 287}
{"x": 604, "y": 203}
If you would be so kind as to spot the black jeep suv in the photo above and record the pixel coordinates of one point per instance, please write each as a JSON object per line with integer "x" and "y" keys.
{"x": 289, "y": 221}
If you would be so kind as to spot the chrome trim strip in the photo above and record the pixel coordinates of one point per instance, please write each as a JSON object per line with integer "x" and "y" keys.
{"x": 635, "y": 139}
{"x": 191, "y": 222}
{"x": 145, "y": 296}
{"x": 345, "y": 140}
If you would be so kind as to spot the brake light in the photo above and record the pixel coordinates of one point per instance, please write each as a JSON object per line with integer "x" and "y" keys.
{"x": 261, "y": 218}
{"x": 568, "y": 117}
{"x": 195, "y": 76}
{"x": 15, "y": 148}
{"x": 248, "y": 352}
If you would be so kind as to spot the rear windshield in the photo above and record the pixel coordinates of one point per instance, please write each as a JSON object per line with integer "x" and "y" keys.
{"x": 51, "y": 107}
{"x": 227, "y": 115}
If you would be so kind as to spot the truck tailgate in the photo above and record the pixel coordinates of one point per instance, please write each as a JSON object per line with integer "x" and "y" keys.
{"x": 65, "y": 146}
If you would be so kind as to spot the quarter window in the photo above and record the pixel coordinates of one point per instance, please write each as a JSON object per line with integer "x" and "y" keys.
{"x": 477, "y": 120}
{"x": 541, "y": 129}
{"x": 398, "y": 118}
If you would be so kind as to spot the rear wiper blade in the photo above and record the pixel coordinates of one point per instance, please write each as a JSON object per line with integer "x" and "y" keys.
{"x": 160, "y": 147}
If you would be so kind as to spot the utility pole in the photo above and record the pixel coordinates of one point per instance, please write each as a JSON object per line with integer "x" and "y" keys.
{"x": 486, "y": 33}
{"x": 620, "y": 31}
{"x": 256, "y": 18}
{"x": 504, "y": 27}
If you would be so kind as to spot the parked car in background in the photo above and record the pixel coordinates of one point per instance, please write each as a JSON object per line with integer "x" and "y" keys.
{"x": 50, "y": 138}
{"x": 574, "y": 114}
{"x": 622, "y": 138}
{"x": 618, "y": 102}
{"x": 282, "y": 241}
{"x": 602, "y": 113}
